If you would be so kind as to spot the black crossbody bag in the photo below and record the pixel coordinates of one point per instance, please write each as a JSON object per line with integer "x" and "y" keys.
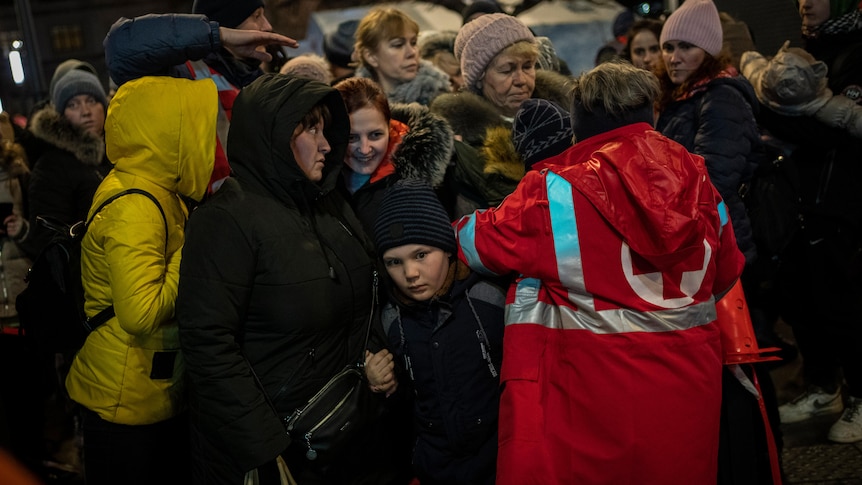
{"x": 340, "y": 410}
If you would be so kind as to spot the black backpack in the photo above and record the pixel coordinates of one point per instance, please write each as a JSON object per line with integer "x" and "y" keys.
{"x": 772, "y": 198}
{"x": 51, "y": 307}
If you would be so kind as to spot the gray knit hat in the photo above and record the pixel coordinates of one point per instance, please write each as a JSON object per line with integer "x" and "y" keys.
{"x": 228, "y": 13}
{"x": 77, "y": 82}
{"x": 68, "y": 65}
{"x": 411, "y": 213}
{"x": 479, "y": 41}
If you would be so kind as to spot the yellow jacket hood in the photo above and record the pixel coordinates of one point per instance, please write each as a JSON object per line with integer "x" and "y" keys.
{"x": 164, "y": 129}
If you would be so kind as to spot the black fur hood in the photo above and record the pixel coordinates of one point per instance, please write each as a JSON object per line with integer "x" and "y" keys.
{"x": 425, "y": 151}
{"x": 54, "y": 128}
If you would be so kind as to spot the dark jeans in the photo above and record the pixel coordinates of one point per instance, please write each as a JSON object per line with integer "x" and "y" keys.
{"x": 132, "y": 455}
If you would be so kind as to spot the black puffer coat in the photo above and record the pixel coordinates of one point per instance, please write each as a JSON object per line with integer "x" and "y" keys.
{"x": 718, "y": 123}
{"x": 64, "y": 179}
{"x": 276, "y": 280}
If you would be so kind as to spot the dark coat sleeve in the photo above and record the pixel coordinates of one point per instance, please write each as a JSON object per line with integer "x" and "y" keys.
{"x": 158, "y": 45}
{"x": 62, "y": 188}
{"x": 727, "y": 138}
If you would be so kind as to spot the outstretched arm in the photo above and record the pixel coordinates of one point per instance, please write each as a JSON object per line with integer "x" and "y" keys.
{"x": 249, "y": 43}
{"x": 156, "y": 44}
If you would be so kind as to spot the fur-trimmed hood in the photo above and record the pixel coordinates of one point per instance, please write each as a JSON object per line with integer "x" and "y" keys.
{"x": 426, "y": 149}
{"x": 54, "y": 128}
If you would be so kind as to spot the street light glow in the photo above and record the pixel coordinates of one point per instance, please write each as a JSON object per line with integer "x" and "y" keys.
{"x": 17, "y": 67}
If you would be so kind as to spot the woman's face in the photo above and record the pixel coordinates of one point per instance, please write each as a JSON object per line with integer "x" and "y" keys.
{"x": 645, "y": 50}
{"x": 813, "y": 12}
{"x": 681, "y": 59}
{"x": 447, "y": 63}
{"x": 87, "y": 113}
{"x": 369, "y": 139}
{"x": 309, "y": 148}
{"x": 396, "y": 60}
{"x": 508, "y": 81}
{"x": 418, "y": 270}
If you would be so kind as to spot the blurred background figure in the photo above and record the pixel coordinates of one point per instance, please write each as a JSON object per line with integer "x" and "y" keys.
{"x": 613, "y": 49}
{"x": 308, "y": 66}
{"x": 478, "y": 8}
{"x": 438, "y": 47}
{"x": 642, "y": 47}
{"x": 338, "y": 50}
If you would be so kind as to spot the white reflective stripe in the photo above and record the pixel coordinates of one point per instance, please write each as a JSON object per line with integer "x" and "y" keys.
{"x": 531, "y": 311}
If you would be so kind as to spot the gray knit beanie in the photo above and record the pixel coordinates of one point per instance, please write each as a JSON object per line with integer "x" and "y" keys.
{"x": 411, "y": 213}
{"x": 68, "y": 65}
{"x": 228, "y": 13}
{"x": 77, "y": 82}
{"x": 479, "y": 41}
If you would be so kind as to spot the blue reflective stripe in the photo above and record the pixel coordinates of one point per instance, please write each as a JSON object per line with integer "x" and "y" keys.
{"x": 567, "y": 246}
{"x": 467, "y": 241}
{"x": 202, "y": 71}
{"x": 722, "y": 212}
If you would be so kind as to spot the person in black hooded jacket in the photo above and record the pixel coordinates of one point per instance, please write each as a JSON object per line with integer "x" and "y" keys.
{"x": 276, "y": 286}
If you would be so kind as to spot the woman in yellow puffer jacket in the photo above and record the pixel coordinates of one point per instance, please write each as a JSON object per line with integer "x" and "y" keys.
{"x": 161, "y": 137}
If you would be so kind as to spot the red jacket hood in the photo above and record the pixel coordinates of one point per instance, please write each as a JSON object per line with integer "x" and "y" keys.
{"x": 646, "y": 186}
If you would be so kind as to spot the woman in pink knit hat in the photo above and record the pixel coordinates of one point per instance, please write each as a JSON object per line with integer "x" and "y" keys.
{"x": 500, "y": 63}
{"x": 708, "y": 107}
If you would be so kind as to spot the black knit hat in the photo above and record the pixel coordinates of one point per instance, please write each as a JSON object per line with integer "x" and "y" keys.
{"x": 228, "y": 13}
{"x": 411, "y": 213}
{"x": 480, "y": 6}
{"x": 338, "y": 44}
{"x": 541, "y": 129}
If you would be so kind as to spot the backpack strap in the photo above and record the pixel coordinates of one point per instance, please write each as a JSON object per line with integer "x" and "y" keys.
{"x": 106, "y": 314}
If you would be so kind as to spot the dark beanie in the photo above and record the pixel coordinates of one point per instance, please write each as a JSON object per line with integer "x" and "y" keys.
{"x": 77, "y": 82}
{"x": 338, "y": 44}
{"x": 541, "y": 129}
{"x": 411, "y": 213}
{"x": 480, "y": 6}
{"x": 228, "y": 13}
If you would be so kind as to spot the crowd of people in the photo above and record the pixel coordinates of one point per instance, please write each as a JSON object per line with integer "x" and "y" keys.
{"x": 540, "y": 254}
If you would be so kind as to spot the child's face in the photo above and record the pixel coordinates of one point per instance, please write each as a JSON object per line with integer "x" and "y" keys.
{"x": 419, "y": 271}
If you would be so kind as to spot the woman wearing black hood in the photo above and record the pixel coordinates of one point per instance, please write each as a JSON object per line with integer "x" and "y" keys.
{"x": 276, "y": 286}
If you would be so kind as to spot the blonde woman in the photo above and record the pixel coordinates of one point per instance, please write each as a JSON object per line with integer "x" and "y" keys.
{"x": 386, "y": 47}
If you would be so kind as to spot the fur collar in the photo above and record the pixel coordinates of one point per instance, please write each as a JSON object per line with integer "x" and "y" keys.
{"x": 426, "y": 149}
{"x": 469, "y": 114}
{"x": 54, "y": 128}
{"x": 429, "y": 83}
{"x": 500, "y": 155}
